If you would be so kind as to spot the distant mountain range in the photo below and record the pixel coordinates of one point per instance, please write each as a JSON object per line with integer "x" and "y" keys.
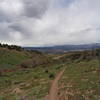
{"x": 65, "y": 48}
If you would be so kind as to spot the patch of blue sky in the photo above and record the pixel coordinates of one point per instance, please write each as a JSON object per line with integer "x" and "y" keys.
{"x": 64, "y": 3}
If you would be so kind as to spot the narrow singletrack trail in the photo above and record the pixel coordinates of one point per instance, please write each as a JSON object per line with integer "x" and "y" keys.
{"x": 53, "y": 93}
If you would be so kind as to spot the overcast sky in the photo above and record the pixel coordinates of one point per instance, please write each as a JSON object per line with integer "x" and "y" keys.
{"x": 49, "y": 22}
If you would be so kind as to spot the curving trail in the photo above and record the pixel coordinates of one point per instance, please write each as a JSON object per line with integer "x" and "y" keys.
{"x": 53, "y": 93}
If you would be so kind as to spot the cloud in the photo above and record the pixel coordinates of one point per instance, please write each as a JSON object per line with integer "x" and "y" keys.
{"x": 35, "y": 8}
{"x": 49, "y": 22}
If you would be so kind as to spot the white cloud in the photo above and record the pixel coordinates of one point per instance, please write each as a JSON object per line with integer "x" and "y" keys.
{"x": 11, "y": 7}
{"x": 51, "y": 23}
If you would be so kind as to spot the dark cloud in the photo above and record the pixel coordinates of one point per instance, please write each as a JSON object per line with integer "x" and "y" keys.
{"x": 4, "y": 30}
{"x": 3, "y": 17}
{"x": 34, "y": 8}
{"x": 23, "y": 29}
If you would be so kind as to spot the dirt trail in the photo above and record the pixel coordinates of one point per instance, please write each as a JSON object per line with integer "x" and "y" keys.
{"x": 53, "y": 93}
{"x": 58, "y": 57}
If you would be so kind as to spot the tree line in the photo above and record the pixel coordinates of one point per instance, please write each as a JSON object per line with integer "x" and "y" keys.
{"x": 11, "y": 47}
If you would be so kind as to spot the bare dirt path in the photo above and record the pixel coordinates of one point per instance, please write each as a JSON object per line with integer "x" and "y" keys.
{"x": 58, "y": 57}
{"x": 53, "y": 93}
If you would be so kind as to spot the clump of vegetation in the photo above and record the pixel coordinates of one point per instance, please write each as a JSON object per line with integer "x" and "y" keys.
{"x": 11, "y": 47}
{"x": 46, "y": 71}
{"x": 86, "y": 55}
{"x": 51, "y": 75}
{"x": 37, "y": 60}
{"x": 0, "y": 73}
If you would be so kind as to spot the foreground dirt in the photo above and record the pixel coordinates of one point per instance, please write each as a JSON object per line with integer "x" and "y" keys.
{"x": 53, "y": 93}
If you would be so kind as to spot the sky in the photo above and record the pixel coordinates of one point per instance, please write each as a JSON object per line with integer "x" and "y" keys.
{"x": 49, "y": 22}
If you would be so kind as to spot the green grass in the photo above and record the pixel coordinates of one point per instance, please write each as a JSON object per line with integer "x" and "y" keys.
{"x": 81, "y": 77}
{"x": 31, "y": 82}
{"x": 10, "y": 58}
{"x": 84, "y": 78}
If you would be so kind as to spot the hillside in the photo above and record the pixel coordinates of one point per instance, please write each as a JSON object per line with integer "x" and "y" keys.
{"x": 12, "y": 59}
{"x": 8, "y": 58}
{"x": 81, "y": 81}
{"x": 30, "y": 75}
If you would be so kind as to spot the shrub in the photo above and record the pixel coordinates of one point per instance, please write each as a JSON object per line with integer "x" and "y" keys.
{"x": 46, "y": 71}
{"x": 0, "y": 73}
{"x": 52, "y": 76}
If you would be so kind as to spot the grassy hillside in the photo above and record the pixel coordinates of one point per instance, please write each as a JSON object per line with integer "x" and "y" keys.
{"x": 80, "y": 55}
{"x": 22, "y": 73}
{"x": 28, "y": 83}
{"x": 81, "y": 81}
{"x": 10, "y": 58}
{"x": 32, "y": 72}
